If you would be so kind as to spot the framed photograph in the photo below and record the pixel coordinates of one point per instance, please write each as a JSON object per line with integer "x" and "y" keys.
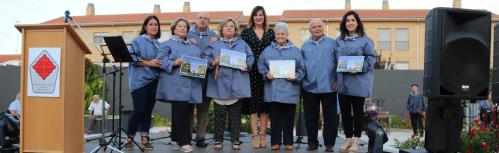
{"x": 233, "y": 59}
{"x": 350, "y": 64}
{"x": 282, "y": 68}
{"x": 193, "y": 67}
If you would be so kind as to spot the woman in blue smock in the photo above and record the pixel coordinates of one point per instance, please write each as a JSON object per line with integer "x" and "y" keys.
{"x": 226, "y": 85}
{"x": 354, "y": 87}
{"x": 143, "y": 80}
{"x": 281, "y": 93}
{"x": 183, "y": 92}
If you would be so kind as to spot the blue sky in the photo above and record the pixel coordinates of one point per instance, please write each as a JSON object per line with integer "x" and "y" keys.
{"x": 36, "y": 11}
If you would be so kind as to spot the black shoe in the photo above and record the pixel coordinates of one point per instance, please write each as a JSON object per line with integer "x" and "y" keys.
{"x": 200, "y": 143}
{"x": 329, "y": 149}
{"x": 312, "y": 147}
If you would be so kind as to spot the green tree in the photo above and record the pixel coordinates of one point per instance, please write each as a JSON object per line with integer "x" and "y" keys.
{"x": 93, "y": 84}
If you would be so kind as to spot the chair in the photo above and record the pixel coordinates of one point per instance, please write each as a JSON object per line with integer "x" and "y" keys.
{"x": 384, "y": 116}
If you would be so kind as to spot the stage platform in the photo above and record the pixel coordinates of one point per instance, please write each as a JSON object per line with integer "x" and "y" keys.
{"x": 163, "y": 146}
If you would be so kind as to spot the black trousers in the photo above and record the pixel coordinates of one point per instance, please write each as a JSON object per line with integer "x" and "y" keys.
{"x": 353, "y": 125}
{"x": 417, "y": 123}
{"x": 282, "y": 117}
{"x": 144, "y": 99}
{"x": 182, "y": 113}
{"x": 9, "y": 126}
{"x": 311, "y": 105}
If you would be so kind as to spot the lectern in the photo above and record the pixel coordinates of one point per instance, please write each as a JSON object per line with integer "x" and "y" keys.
{"x": 52, "y": 88}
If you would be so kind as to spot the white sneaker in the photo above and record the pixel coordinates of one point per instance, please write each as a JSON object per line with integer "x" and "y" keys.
{"x": 186, "y": 148}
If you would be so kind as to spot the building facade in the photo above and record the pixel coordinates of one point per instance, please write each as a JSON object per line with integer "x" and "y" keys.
{"x": 398, "y": 35}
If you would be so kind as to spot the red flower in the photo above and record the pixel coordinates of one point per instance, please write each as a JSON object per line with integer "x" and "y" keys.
{"x": 472, "y": 132}
{"x": 484, "y": 128}
{"x": 484, "y": 146}
{"x": 476, "y": 122}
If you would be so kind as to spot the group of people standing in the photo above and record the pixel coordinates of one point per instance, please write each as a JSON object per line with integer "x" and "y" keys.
{"x": 253, "y": 89}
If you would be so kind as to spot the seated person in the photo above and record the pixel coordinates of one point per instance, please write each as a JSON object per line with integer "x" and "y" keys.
{"x": 95, "y": 109}
{"x": 9, "y": 124}
{"x": 486, "y": 111}
{"x": 375, "y": 132}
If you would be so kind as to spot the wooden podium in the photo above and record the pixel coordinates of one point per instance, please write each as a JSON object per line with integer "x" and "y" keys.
{"x": 54, "y": 124}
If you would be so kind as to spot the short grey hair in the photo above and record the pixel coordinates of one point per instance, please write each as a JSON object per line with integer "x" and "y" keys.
{"x": 281, "y": 25}
{"x": 315, "y": 20}
{"x": 204, "y": 13}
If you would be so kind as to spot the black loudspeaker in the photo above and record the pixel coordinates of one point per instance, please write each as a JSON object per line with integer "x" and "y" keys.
{"x": 457, "y": 53}
{"x": 495, "y": 78}
{"x": 444, "y": 123}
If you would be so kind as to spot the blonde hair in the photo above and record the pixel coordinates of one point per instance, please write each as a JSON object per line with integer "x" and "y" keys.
{"x": 221, "y": 25}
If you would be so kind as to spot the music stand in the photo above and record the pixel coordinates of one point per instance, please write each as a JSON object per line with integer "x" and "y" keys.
{"x": 120, "y": 53}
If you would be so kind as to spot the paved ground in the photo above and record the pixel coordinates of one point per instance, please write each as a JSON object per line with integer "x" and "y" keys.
{"x": 163, "y": 146}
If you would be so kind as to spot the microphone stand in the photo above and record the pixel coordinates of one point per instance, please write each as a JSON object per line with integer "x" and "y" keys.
{"x": 121, "y": 54}
{"x": 102, "y": 141}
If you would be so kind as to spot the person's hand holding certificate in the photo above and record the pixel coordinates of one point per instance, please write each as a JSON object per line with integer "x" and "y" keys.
{"x": 233, "y": 59}
{"x": 193, "y": 67}
{"x": 352, "y": 64}
{"x": 283, "y": 69}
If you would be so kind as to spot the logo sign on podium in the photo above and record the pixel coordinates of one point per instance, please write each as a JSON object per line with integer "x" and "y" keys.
{"x": 44, "y": 72}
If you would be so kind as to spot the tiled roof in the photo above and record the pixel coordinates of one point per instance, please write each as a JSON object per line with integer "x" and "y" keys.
{"x": 287, "y": 14}
{"x": 272, "y": 18}
{"x": 369, "y": 14}
{"x": 5, "y": 58}
{"x": 219, "y": 15}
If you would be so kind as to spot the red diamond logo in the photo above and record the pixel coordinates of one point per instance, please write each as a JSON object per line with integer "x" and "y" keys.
{"x": 44, "y": 67}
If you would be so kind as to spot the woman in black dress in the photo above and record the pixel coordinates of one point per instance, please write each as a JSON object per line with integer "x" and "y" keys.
{"x": 258, "y": 35}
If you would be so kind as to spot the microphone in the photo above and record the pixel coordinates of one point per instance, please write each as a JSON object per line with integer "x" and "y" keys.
{"x": 66, "y": 16}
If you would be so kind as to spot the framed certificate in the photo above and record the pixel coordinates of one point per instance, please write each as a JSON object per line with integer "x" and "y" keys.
{"x": 350, "y": 64}
{"x": 193, "y": 67}
{"x": 282, "y": 68}
{"x": 233, "y": 59}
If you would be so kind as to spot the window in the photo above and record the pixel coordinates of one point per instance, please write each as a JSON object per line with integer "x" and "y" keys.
{"x": 165, "y": 35}
{"x": 305, "y": 34}
{"x": 401, "y": 65}
{"x": 384, "y": 41}
{"x": 402, "y": 39}
{"x": 128, "y": 36}
{"x": 99, "y": 37}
